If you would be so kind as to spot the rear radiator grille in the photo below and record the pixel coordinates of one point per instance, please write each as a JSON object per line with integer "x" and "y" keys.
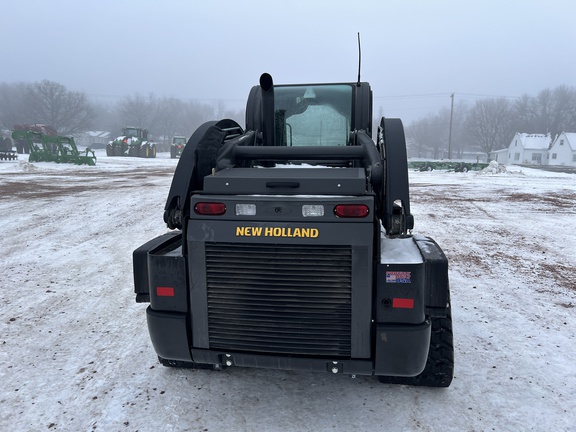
{"x": 279, "y": 299}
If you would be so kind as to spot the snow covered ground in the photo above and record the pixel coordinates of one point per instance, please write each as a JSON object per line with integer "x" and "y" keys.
{"x": 75, "y": 354}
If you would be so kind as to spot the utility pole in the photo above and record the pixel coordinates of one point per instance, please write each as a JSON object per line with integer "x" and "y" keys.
{"x": 450, "y": 131}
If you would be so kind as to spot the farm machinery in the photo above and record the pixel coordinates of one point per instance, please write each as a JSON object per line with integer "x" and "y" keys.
{"x": 23, "y": 144}
{"x": 447, "y": 166}
{"x": 133, "y": 142}
{"x": 177, "y": 146}
{"x": 291, "y": 246}
{"x": 53, "y": 148}
{"x": 6, "y": 152}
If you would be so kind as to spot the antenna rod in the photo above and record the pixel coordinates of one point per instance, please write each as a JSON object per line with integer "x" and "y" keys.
{"x": 359, "y": 58}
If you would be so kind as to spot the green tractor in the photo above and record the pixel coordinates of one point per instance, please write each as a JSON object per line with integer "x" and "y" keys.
{"x": 133, "y": 142}
{"x": 177, "y": 147}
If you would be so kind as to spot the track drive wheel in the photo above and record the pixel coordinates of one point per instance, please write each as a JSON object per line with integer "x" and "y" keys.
{"x": 439, "y": 369}
{"x": 117, "y": 150}
{"x": 152, "y": 151}
{"x": 133, "y": 150}
{"x": 144, "y": 151}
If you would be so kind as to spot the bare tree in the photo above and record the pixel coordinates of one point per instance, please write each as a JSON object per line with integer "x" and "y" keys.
{"x": 106, "y": 118}
{"x": 490, "y": 124}
{"x": 169, "y": 118}
{"x": 12, "y": 104}
{"x": 525, "y": 114}
{"x": 138, "y": 111}
{"x": 428, "y": 137}
{"x": 195, "y": 114}
{"x": 51, "y": 103}
{"x": 552, "y": 110}
{"x": 417, "y": 137}
{"x": 560, "y": 110}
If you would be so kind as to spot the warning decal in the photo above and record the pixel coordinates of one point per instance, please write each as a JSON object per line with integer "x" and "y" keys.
{"x": 398, "y": 277}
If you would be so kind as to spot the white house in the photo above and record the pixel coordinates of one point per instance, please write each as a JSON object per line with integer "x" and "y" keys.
{"x": 529, "y": 149}
{"x": 93, "y": 138}
{"x": 500, "y": 156}
{"x": 563, "y": 150}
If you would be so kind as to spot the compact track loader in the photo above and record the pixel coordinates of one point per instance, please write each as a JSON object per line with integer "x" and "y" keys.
{"x": 292, "y": 248}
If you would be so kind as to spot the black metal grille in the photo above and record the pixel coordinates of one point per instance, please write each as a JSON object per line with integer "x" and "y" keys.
{"x": 279, "y": 298}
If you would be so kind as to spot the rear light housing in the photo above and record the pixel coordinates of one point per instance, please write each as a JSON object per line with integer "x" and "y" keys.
{"x": 351, "y": 210}
{"x": 245, "y": 209}
{"x": 312, "y": 210}
{"x": 165, "y": 291}
{"x": 210, "y": 208}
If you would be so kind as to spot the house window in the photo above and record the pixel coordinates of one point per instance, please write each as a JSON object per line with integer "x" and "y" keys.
{"x": 515, "y": 143}
{"x": 553, "y": 155}
{"x": 516, "y": 156}
{"x": 574, "y": 158}
{"x": 537, "y": 157}
{"x": 561, "y": 142}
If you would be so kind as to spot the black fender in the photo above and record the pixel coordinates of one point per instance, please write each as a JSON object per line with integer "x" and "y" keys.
{"x": 196, "y": 161}
{"x": 392, "y": 144}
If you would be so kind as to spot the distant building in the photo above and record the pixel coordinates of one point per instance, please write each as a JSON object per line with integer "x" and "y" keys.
{"x": 563, "y": 150}
{"x": 500, "y": 156}
{"x": 93, "y": 139}
{"x": 528, "y": 149}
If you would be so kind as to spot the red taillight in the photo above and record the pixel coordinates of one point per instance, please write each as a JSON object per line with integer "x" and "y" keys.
{"x": 403, "y": 303}
{"x": 165, "y": 291}
{"x": 210, "y": 208}
{"x": 351, "y": 210}
{"x": 125, "y": 140}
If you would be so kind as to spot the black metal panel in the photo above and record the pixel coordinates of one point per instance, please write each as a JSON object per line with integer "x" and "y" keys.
{"x": 289, "y": 181}
{"x": 279, "y": 298}
{"x": 140, "y": 262}
{"x": 438, "y": 287}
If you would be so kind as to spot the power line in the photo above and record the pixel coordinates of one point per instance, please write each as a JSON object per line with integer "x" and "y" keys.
{"x": 481, "y": 96}
{"x": 436, "y": 95}
{"x": 416, "y": 96}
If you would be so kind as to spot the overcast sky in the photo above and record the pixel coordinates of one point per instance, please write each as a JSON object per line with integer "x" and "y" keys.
{"x": 414, "y": 53}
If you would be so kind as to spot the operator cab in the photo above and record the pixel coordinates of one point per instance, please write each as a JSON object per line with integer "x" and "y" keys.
{"x": 312, "y": 115}
{"x": 308, "y": 115}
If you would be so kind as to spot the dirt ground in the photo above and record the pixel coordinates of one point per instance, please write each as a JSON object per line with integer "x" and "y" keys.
{"x": 76, "y": 355}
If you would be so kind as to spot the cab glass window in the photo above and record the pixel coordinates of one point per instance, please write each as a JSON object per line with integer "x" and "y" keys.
{"x": 313, "y": 115}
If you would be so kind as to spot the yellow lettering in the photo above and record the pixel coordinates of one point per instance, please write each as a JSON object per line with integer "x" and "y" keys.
{"x": 277, "y": 232}
{"x": 240, "y": 231}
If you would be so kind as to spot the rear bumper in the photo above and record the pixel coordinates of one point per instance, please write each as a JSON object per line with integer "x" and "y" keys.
{"x": 169, "y": 334}
{"x": 400, "y": 350}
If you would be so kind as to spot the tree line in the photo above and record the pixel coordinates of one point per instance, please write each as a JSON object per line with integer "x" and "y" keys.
{"x": 490, "y": 124}
{"x": 72, "y": 113}
{"x": 487, "y": 125}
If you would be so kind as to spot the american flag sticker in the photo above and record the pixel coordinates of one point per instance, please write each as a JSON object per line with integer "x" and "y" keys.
{"x": 398, "y": 277}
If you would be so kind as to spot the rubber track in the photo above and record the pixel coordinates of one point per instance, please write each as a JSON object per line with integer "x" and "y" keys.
{"x": 439, "y": 369}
